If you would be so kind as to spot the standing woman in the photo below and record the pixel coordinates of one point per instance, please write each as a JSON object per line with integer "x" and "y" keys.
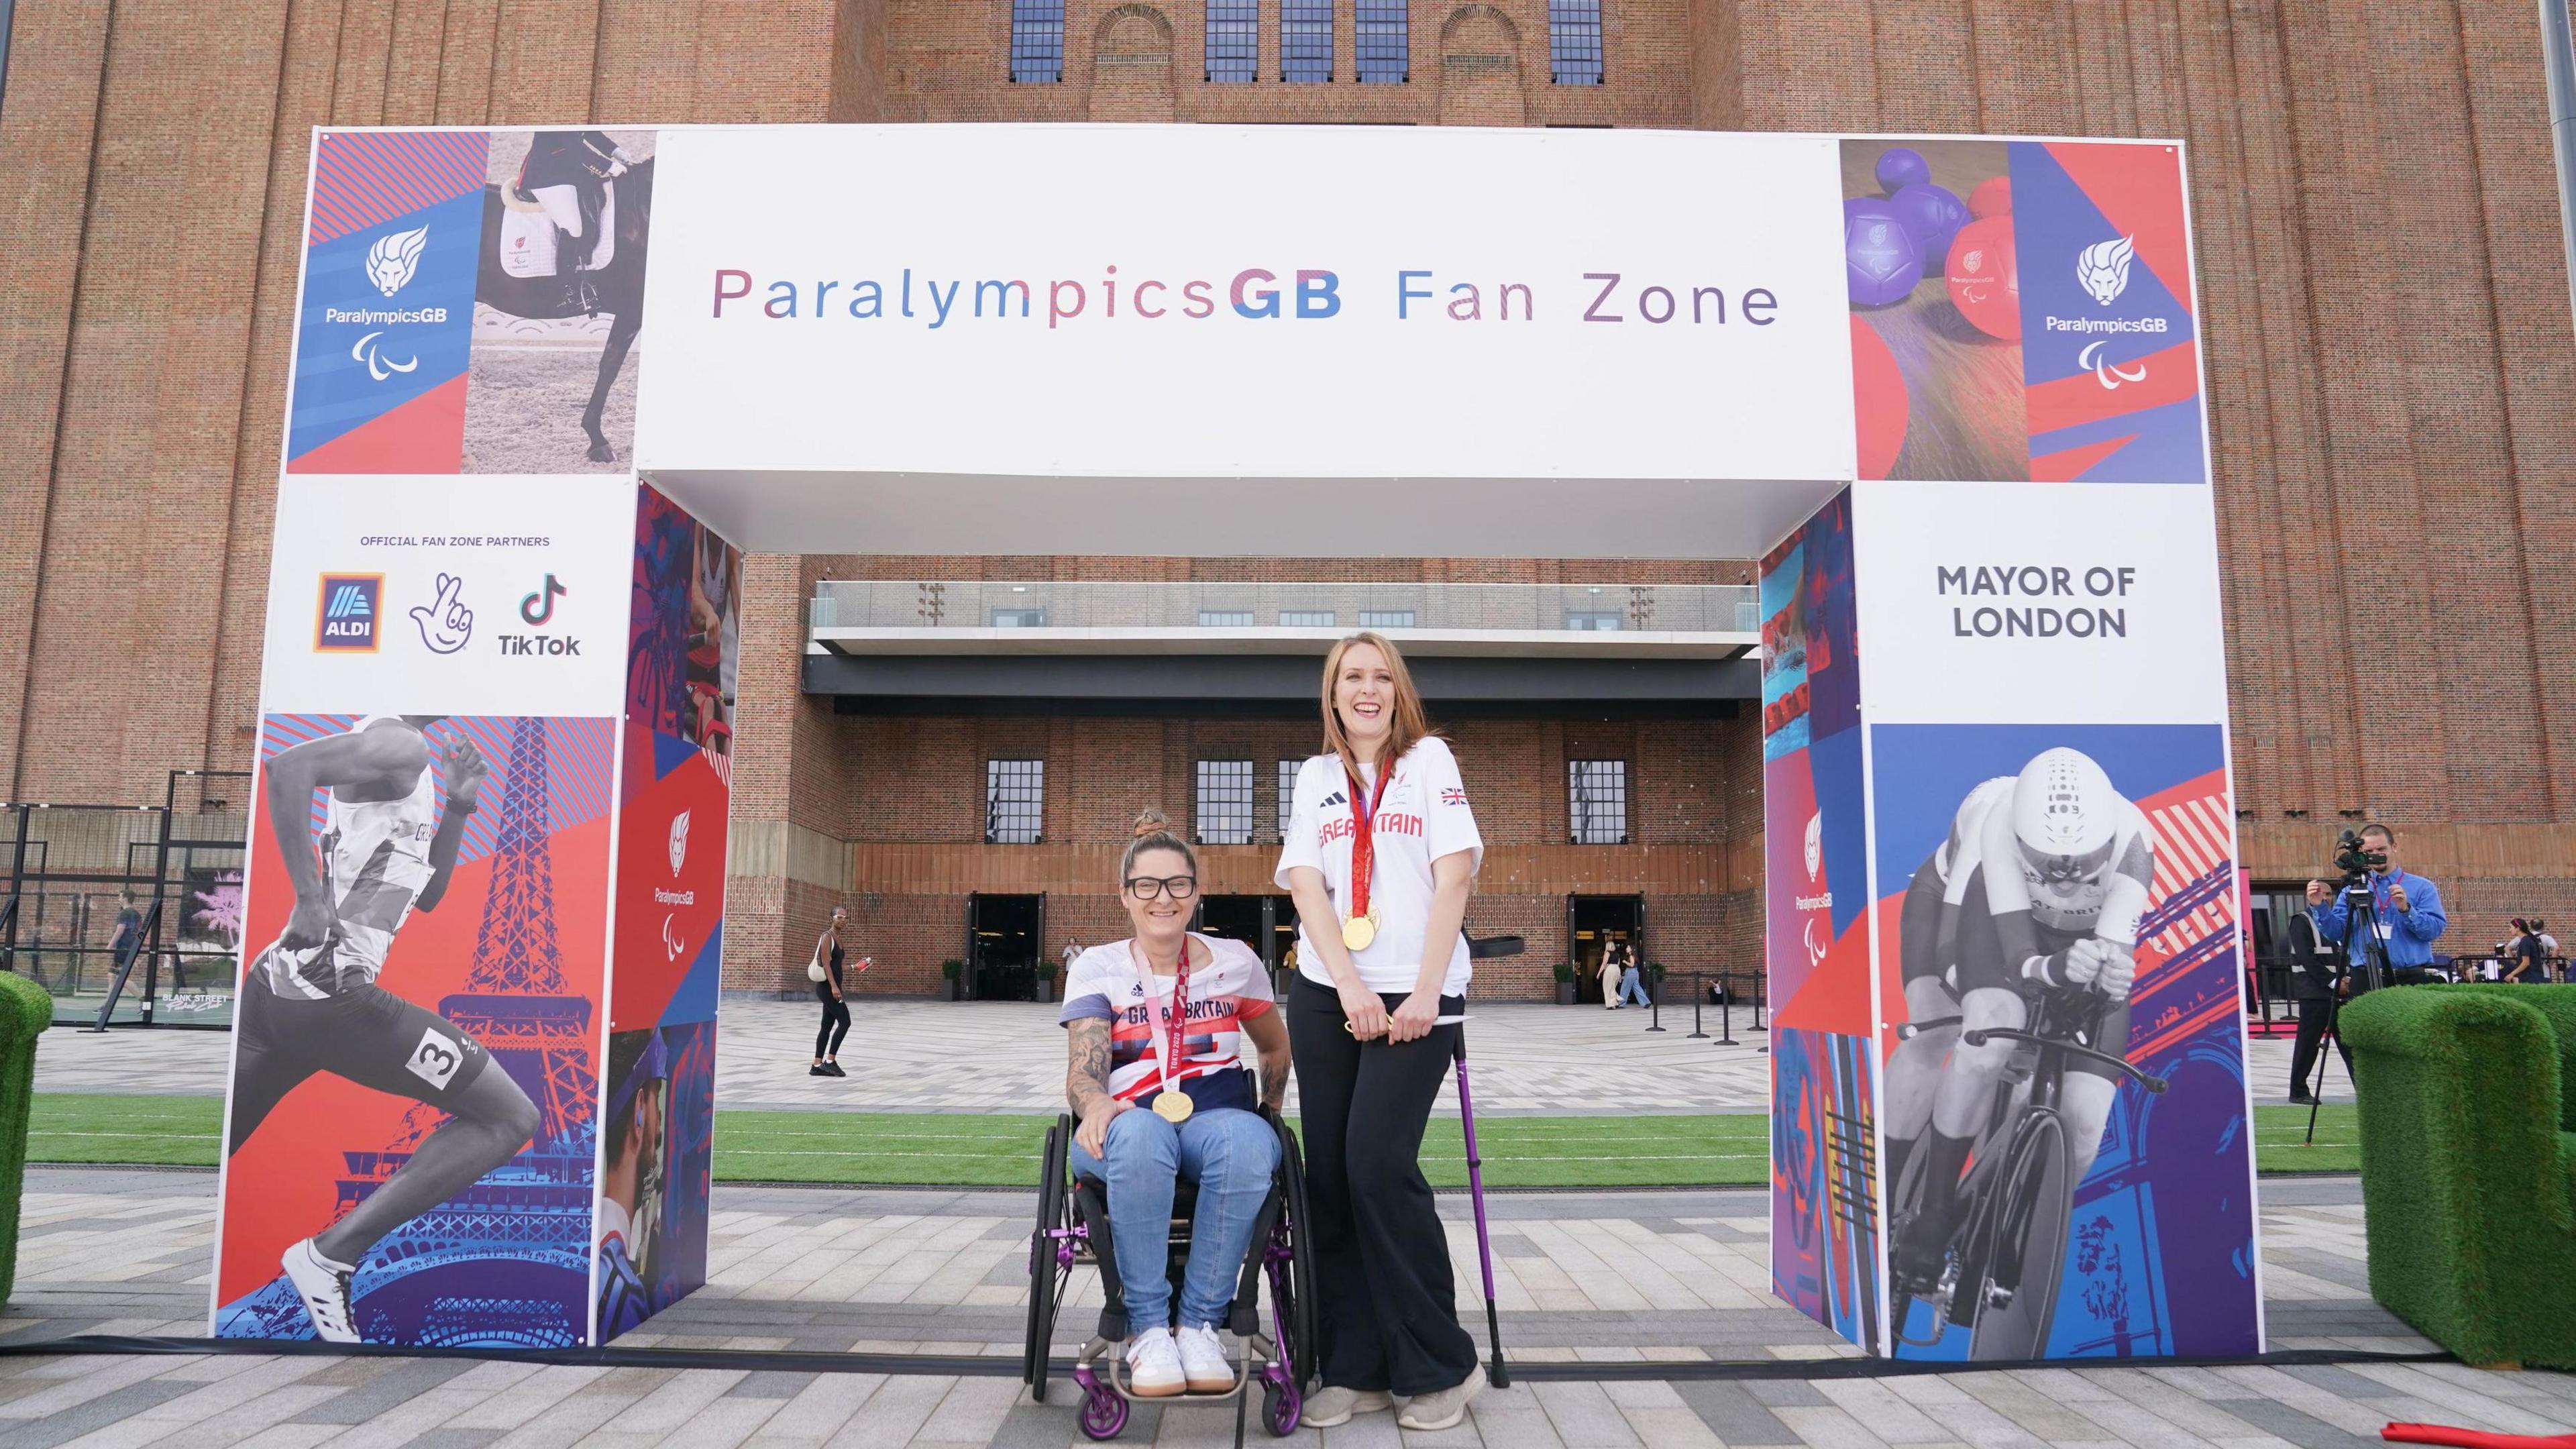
{"x": 1610, "y": 976}
{"x": 1381, "y": 853}
{"x": 827, "y": 989}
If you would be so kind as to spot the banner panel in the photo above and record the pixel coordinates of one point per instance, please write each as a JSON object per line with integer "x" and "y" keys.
{"x": 1824, "y": 1219}
{"x": 684, "y": 652}
{"x": 1183, "y": 310}
{"x": 2022, "y": 310}
{"x": 409, "y": 1134}
{"x": 471, "y": 300}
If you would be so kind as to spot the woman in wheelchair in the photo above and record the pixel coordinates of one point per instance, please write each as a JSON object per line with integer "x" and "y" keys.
{"x": 1156, "y": 1022}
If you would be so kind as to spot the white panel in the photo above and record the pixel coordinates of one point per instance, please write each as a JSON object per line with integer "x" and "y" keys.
{"x": 499, "y": 539}
{"x": 2072, "y": 603}
{"x": 926, "y": 212}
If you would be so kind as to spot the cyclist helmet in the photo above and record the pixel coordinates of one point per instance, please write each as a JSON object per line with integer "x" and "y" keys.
{"x": 2065, "y": 814}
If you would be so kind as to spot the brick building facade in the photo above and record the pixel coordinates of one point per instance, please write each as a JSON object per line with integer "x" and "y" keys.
{"x": 2392, "y": 395}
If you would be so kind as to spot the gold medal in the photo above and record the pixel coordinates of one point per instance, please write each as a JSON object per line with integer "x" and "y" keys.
{"x": 1358, "y": 931}
{"x": 1173, "y": 1106}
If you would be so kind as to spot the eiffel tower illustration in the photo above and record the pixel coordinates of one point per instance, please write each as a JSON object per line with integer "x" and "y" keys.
{"x": 507, "y": 1261}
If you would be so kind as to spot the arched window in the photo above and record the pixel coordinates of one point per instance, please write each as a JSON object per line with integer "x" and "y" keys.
{"x": 1306, "y": 40}
{"x": 1385, "y": 50}
{"x": 1574, "y": 42}
{"x": 1037, "y": 42}
{"x": 1233, "y": 41}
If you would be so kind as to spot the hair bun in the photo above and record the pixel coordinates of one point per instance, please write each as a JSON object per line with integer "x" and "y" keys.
{"x": 1151, "y": 822}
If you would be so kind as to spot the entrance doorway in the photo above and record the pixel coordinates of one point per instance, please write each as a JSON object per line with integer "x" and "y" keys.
{"x": 1268, "y": 924}
{"x": 1593, "y": 924}
{"x": 1002, "y": 936}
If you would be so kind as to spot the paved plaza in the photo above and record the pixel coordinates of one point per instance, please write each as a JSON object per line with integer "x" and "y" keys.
{"x": 927, "y": 1056}
{"x": 1664, "y": 1283}
{"x": 1653, "y": 1282}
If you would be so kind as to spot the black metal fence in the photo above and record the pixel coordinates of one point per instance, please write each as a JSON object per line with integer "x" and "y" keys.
{"x": 130, "y": 915}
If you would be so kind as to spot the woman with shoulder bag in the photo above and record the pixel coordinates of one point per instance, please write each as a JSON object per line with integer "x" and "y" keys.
{"x": 1381, "y": 854}
{"x": 825, "y": 972}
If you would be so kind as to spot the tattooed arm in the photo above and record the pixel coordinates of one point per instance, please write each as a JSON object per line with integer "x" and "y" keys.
{"x": 1086, "y": 1082}
{"x": 1270, "y": 1039}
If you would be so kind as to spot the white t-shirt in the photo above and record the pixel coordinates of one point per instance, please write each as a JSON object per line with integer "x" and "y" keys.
{"x": 1423, "y": 817}
{"x": 1228, "y": 989}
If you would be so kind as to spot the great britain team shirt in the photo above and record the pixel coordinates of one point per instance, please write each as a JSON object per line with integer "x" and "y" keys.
{"x": 1423, "y": 817}
{"x": 1227, "y": 989}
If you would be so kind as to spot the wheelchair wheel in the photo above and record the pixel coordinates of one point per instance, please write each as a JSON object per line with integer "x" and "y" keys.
{"x": 1048, "y": 1276}
{"x": 2027, "y": 1249}
{"x": 1304, "y": 1351}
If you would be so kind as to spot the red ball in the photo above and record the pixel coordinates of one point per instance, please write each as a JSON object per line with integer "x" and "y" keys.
{"x": 1985, "y": 280}
{"x": 1878, "y": 400}
{"x": 1993, "y": 197}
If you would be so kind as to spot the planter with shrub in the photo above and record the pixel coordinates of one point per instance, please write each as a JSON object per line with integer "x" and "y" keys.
{"x": 1564, "y": 983}
{"x": 952, "y": 976}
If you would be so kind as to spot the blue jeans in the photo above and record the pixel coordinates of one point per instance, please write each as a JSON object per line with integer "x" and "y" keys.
{"x": 1231, "y": 1154}
{"x": 1632, "y": 988}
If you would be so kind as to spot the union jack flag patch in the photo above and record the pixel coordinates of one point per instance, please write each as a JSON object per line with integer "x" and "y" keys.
{"x": 1453, "y": 797}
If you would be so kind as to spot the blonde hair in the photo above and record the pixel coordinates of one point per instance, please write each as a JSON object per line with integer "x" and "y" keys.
{"x": 1406, "y": 724}
{"x": 1154, "y": 832}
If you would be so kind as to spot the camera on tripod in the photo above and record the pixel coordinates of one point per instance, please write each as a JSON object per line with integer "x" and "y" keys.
{"x": 2354, "y": 859}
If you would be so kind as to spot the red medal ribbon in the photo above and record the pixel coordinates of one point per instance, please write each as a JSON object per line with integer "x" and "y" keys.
{"x": 1364, "y": 835}
{"x": 1171, "y": 1062}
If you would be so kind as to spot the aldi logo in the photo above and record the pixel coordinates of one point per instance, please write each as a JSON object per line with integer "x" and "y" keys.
{"x": 349, "y": 609}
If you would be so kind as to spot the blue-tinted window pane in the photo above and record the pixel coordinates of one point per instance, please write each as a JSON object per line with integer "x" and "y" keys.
{"x": 1037, "y": 41}
{"x": 1233, "y": 40}
{"x": 1305, "y": 618}
{"x": 1225, "y": 618}
{"x": 1386, "y": 618}
{"x": 1574, "y": 42}
{"x": 1306, "y": 40}
{"x": 1385, "y": 51}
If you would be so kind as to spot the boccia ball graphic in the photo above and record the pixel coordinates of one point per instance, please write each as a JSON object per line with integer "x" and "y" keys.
{"x": 1932, "y": 215}
{"x": 1880, "y": 258}
{"x": 1900, "y": 167}
{"x": 1878, "y": 400}
{"x": 1993, "y": 197}
{"x": 1985, "y": 281}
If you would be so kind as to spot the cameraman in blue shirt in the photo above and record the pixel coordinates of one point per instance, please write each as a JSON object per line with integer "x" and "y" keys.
{"x": 2408, "y": 909}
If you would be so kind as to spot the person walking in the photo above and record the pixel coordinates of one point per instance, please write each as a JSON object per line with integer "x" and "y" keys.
{"x": 825, "y": 971}
{"x": 1632, "y": 978}
{"x": 1380, "y": 855}
{"x": 1610, "y": 977}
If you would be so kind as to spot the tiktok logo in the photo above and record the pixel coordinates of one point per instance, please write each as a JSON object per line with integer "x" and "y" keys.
{"x": 539, "y": 607}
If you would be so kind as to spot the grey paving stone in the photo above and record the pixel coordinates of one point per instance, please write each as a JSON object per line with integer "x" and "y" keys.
{"x": 1785, "y": 1394}
{"x": 397, "y": 1383}
{"x": 98, "y": 1413}
{"x": 2339, "y": 1380}
{"x": 2288, "y": 1423}
{"x": 769, "y": 1384}
{"x": 1734, "y": 1413}
{"x": 445, "y": 1438}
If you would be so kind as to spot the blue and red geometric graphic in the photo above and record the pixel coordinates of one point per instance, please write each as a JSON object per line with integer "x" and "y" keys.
{"x": 388, "y": 309}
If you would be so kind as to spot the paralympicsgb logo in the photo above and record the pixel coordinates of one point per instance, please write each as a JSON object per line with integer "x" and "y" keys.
{"x": 395, "y": 258}
{"x": 2103, "y": 268}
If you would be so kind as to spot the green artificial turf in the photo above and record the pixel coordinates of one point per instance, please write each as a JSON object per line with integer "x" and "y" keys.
{"x": 1002, "y": 1150}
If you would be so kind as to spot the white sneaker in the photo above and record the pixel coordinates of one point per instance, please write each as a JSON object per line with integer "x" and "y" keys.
{"x": 1203, "y": 1361}
{"x": 324, "y": 1287}
{"x": 1444, "y": 1409}
{"x": 1154, "y": 1365}
{"x": 1332, "y": 1407}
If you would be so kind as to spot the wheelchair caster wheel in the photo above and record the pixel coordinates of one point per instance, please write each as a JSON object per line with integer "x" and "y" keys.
{"x": 1104, "y": 1414}
{"x": 1282, "y": 1410}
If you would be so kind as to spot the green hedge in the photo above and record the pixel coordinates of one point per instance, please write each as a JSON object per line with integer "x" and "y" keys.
{"x": 2469, "y": 1185}
{"x": 25, "y": 1009}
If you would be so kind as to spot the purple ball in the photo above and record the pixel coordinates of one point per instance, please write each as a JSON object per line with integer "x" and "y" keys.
{"x": 1900, "y": 167}
{"x": 1932, "y": 215}
{"x": 1881, "y": 261}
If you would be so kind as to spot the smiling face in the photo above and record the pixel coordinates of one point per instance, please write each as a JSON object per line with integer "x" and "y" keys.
{"x": 1364, "y": 696}
{"x": 1161, "y": 918}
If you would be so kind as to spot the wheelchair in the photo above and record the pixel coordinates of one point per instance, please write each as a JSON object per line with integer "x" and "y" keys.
{"x": 1073, "y": 1232}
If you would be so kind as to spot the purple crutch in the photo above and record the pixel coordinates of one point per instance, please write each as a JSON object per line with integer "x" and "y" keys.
{"x": 1495, "y": 1372}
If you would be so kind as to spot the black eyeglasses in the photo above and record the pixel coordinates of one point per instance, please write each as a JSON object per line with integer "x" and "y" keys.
{"x": 1146, "y": 887}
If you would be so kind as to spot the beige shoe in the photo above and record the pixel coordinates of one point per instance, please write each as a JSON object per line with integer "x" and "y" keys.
{"x": 1332, "y": 1407}
{"x": 1443, "y": 1410}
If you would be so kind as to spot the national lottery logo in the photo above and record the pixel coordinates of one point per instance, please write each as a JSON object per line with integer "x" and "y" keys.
{"x": 349, "y": 607}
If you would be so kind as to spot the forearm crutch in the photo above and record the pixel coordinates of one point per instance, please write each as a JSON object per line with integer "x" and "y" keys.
{"x": 1496, "y": 1373}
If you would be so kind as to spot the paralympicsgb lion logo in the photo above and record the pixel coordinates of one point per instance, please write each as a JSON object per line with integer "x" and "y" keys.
{"x": 2103, "y": 268}
{"x": 394, "y": 257}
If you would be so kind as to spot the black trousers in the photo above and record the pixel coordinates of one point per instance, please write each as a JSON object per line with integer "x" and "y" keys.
{"x": 1387, "y": 1300}
{"x": 835, "y": 1027}
{"x": 2313, "y": 1011}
